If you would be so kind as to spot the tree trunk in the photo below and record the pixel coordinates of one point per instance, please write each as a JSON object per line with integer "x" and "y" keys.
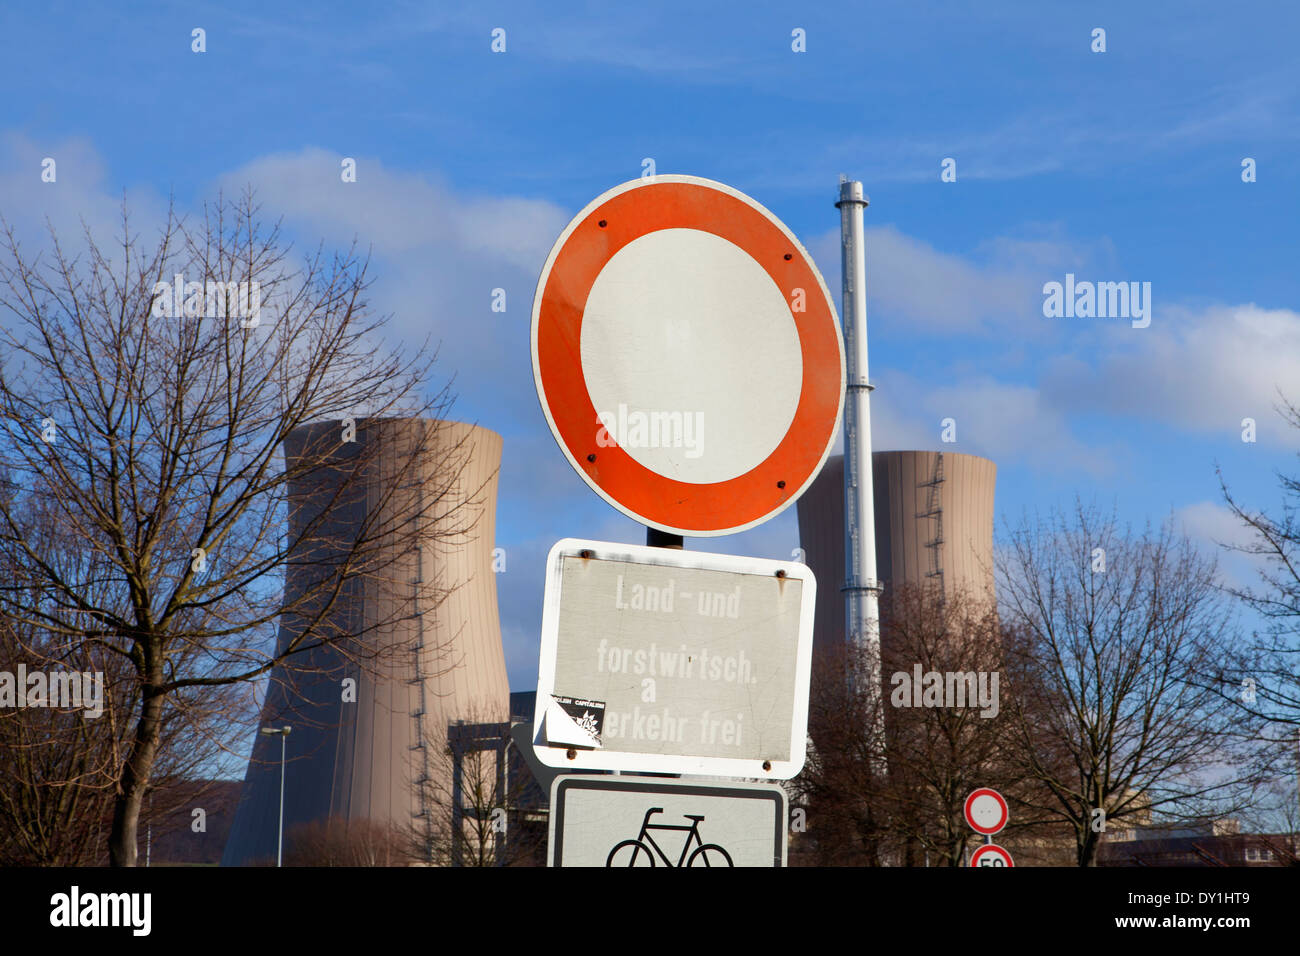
{"x": 122, "y": 850}
{"x": 1087, "y": 855}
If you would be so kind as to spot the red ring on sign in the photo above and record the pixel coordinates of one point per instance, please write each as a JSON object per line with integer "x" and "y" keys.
{"x": 991, "y": 849}
{"x": 658, "y": 499}
{"x": 986, "y": 792}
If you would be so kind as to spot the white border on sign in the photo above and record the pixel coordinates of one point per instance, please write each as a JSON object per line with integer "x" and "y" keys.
{"x": 537, "y": 374}
{"x": 605, "y": 759}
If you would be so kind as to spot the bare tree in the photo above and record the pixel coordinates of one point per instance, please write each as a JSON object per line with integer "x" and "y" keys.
{"x": 64, "y": 735}
{"x": 147, "y": 394}
{"x": 838, "y": 795}
{"x": 1108, "y": 712}
{"x": 56, "y": 777}
{"x": 1276, "y": 809}
{"x": 943, "y": 672}
{"x": 944, "y": 735}
{"x": 479, "y": 805}
{"x": 1273, "y": 690}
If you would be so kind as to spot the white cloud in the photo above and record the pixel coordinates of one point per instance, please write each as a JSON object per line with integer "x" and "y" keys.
{"x": 1213, "y": 523}
{"x": 1203, "y": 370}
{"x": 912, "y": 287}
{"x": 1217, "y": 531}
{"x": 1005, "y": 422}
{"x": 1008, "y": 423}
{"x": 78, "y": 199}
{"x": 399, "y": 211}
{"x": 438, "y": 256}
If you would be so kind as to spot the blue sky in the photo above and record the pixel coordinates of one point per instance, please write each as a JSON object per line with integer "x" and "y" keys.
{"x": 1122, "y": 165}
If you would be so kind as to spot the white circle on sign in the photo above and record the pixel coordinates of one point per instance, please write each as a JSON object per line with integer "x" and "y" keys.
{"x": 691, "y": 356}
{"x": 986, "y": 811}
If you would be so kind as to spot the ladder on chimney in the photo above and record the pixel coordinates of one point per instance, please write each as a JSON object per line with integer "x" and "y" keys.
{"x": 934, "y": 510}
{"x": 422, "y": 780}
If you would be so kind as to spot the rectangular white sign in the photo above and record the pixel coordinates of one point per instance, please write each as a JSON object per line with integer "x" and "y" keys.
{"x": 618, "y": 821}
{"x": 672, "y": 661}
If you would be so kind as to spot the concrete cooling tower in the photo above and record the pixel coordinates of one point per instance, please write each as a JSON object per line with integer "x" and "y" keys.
{"x": 934, "y": 525}
{"x": 362, "y": 756}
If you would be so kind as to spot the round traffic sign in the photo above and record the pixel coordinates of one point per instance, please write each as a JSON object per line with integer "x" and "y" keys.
{"x": 990, "y": 854}
{"x": 687, "y": 355}
{"x": 986, "y": 811}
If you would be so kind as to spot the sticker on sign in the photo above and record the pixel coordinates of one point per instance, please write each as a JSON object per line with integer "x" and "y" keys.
{"x": 701, "y": 661}
{"x": 576, "y": 722}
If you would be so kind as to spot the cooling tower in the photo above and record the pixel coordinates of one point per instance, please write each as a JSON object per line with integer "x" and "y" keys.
{"x": 934, "y": 525}
{"x": 363, "y": 758}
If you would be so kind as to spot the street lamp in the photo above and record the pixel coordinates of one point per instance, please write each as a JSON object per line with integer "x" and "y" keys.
{"x": 283, "y": 734}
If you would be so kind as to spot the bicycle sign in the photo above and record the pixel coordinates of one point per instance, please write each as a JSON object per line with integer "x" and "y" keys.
{"x": 638, "y": 852}
{"x": 626, "y": 821}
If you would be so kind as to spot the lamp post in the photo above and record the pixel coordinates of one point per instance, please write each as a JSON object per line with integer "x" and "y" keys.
{"x": 283, "y": 734}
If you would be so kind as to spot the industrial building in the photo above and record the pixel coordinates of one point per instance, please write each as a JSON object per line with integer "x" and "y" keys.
{"x": 934, "y": 525}
{"x": 376, "y": 750}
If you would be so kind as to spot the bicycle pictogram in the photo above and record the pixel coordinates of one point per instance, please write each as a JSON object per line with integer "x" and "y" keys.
{"x": 642, "y": 850}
